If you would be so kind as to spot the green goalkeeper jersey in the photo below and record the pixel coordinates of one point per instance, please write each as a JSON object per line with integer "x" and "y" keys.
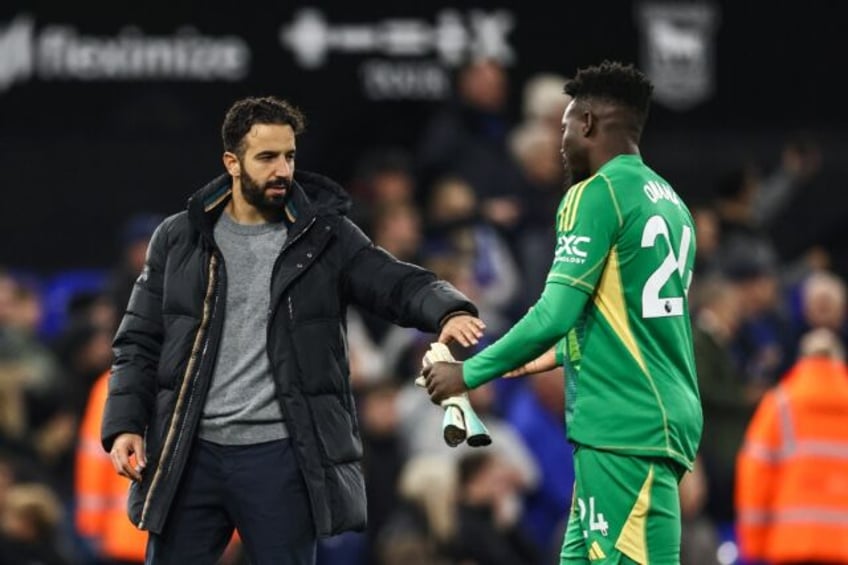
{"x": 626, "y": 239}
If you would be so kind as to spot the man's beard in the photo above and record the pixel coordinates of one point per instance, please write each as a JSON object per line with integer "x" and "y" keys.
{"x": 572, "y": 176}
{"x": 257, "y": 196}
{"x": 567, "y": 179}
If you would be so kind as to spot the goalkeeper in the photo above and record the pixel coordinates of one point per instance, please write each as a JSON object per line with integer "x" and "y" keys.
{"x": 614, "y": 312}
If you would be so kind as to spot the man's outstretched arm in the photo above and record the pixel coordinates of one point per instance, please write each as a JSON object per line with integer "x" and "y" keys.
{"x": 547, "y": 322}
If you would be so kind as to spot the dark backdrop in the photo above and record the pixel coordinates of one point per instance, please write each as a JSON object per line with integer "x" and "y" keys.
{"x": 78, "y": 157}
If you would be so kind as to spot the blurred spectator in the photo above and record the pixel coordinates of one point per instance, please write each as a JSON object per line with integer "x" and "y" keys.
{"x": 457, "y": 270}
{"x": 544, "y": 100}
{"x": 134, "y": 238}
{"x": 728, "y": 399}
{"x": 29, "y": 523}
{"x": 421, "y": 425}
{"x": 468, "y": 139}
{"x": 23, "y": 309}
{"x": 383, "y": 459}
{"x": 699, "y": 540}
{"x": 32, "y": 448}
{"x": 422, "y": 528}
{"x": 35, "y": 428}
{"x": 14, "y": 425}
{"x": 72, "y": 293}
{"x": 743, "y": 238}
{"x": 748, "y": 200}
{"x": 707, "y": 241}
{"x": 97, "y": 307}
{"x": 20, "y": 316}
{"x": 800, "y": 161}
{"x": 456, "y": 228}
{"x": 537, "y": 414}
{"x": 749, "y": 203}
{"x": 397, "y": 229}
{"x": 7, "y": 297}
{"x": 84, "y": 349}
{"x": 53, "y": 433}
{"x": 536, "y": 147}
{"x": 824, "y": 302}
{"x": 765, "y": 329}
{"x": 792, "y": 474}
{"x": 380, "y": 350}
{"x": 489, "y": 529}
{"x": 101, "y": 494}
{"x": 382, "y": 177}
{"x": 818, "y": 301}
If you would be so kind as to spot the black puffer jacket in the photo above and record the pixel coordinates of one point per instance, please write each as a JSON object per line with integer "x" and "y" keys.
{"x": 167, "y": 343}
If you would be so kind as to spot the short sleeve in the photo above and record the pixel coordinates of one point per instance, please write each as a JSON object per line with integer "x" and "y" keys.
{"x": 587, "y": 222}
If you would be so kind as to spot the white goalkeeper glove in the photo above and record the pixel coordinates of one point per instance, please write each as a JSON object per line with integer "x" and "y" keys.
{"x": 461, "y": 422}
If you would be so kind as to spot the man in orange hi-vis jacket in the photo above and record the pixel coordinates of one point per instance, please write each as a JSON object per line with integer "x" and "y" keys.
{"x": 101, "y": 495}
{"x": 792, "y": 472}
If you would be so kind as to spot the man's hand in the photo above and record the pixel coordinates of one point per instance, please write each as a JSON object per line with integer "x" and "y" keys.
{"x": 545, "y": 362}
{"x": 464, "y": 328}
{"x": 126, "y": 445}
{"x": 444, "y": 379}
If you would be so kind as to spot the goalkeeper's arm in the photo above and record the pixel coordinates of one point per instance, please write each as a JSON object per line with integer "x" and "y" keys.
{"x": 535, "y": 335}
{"x": 550, "y": 359}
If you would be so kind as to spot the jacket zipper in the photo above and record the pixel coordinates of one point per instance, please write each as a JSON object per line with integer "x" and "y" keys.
{"x": 285, "y": 248}
{"x": 288, "y": 244}
{"x": 198, "y": 349}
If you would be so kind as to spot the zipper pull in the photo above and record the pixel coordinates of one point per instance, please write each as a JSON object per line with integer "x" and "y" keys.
{"x": 291, "y": 309}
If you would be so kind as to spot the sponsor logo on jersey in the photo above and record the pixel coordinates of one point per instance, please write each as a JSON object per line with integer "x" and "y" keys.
{"x": 569, "y": 249}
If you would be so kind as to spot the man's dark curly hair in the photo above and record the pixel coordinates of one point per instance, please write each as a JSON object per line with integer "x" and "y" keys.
{"x": 247, "y": 112}
{"x": 614, "y": 82}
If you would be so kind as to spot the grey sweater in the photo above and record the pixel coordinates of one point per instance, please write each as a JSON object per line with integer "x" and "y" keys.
{"x": 242, "y": 407}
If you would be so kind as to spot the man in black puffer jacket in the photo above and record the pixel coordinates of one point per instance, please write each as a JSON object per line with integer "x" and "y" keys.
{"x": 229, "y": 403}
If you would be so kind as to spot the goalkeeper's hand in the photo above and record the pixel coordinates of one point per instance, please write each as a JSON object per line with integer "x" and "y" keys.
{"x": 443, "y": 380}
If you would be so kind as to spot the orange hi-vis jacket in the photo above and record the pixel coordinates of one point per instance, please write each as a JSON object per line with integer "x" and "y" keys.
{"x": 792, "y": 472}
{"x": 101, "y": 494}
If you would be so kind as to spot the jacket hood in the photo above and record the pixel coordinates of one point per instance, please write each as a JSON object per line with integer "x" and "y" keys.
{"x": 311, "y": 195}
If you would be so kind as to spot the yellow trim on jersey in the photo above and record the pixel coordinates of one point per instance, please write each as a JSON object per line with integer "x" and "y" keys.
{"x": 568, "y": 279}
{"x": 578, "y": 281}
{"x": 633, "y": 542}
{"x": 572, "y": 213}
{"x": 610, "y": 301}
{"x": 614, "y": 199}
{"x": 595, "y": 552}
{"x": 568, "y": 214}
{"x": 560, "y": 223}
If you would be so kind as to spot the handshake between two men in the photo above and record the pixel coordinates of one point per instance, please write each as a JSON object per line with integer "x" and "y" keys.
{"x": 444, "y": 380}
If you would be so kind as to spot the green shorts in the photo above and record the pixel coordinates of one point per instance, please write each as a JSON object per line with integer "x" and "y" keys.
{"x": 626, "y": 509}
